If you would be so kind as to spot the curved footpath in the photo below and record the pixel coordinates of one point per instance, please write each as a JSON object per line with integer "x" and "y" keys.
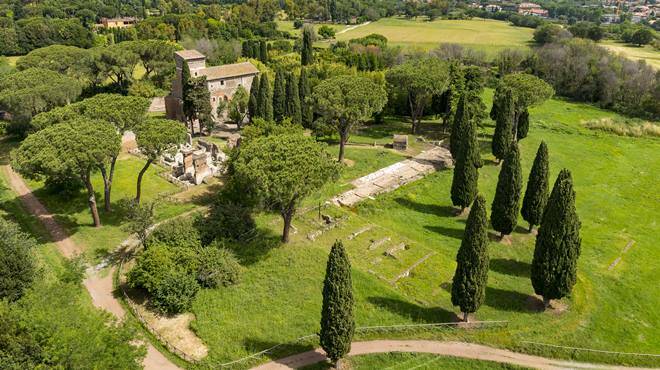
{"x": 100, "y": 288}
{"x": 455, "y": 349}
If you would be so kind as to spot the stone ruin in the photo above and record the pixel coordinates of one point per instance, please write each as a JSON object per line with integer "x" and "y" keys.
{"x": 195, "y": 164}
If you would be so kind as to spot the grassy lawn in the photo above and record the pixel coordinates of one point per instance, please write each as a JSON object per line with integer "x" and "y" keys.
{"x": 12, "y": 60}
{"x": 422, "y": 361}
{"x": 490, "y": 36}
{"x": 647, "y": 52}
{"x": 74, "y": 214}
{"x": 615, "y": 178}
{"x": 288, "y": 27}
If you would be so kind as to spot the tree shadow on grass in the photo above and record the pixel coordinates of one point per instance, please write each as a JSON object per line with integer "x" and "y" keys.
{"x": 446, "y": 231}
{"x": 255, "y": 247}
{"x": 255, "y": 345}
{"x": 507, "y": 300}
{"x": 414, "y": 312}
{"x": 432, "y": 209}
{"x": 510, "y": 267}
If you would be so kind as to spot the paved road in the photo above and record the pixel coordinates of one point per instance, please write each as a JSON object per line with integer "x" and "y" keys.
{"x": 455, "y": 349}
{"x": 99, "y": 288}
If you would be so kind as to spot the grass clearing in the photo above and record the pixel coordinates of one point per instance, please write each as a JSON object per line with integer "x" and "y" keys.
{"x": 647, "y": 52}
{"x": 487, "y": 35}
{"x": 615, "y": 177}
{"x": 287, "y": 26}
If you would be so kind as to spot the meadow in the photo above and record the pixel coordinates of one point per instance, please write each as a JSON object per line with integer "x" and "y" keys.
{"x": 486, "y": 35}
{"x": 279, "y": 296}
{"x": 646, "y": 52}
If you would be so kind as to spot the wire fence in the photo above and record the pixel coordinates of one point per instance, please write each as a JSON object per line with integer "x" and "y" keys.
{"x": 590, "y": 349}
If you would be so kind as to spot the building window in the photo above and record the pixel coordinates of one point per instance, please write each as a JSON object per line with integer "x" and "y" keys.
{"x": 222, "y": 82}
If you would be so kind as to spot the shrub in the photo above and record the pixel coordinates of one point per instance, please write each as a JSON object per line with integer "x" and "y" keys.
{"x": 180, "y": 233}
{"x": 145, "y": 89}
{"x": 298, "y": 23}
{"x": 74, "y": 270}
{"x": 218, "y": 267}
{"x": 175, "y": 293}
{"x": 17, "y": 264}
{"x": 227, "y": 220}
{"x": 326, "y": 32}
{"x": 151, "y": 268}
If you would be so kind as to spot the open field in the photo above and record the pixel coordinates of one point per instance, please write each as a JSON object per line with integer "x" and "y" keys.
{"x": 421, "y": 361}
{"x": 487, "y": 35}
{"x": 647, "y": 52}
{"x": 279, "y": 296}
{"x": 288, "y": 27}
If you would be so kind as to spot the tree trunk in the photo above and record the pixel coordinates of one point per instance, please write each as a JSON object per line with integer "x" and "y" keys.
{"x": 531, "y": 227}
{"x": 515, "y": 125}
{"x": 107, "y": 183}
{"x": 465, "y": 317}
{"x": 138, "y": 191}
{"x": 287, "y": 216}
{"x": 501, "y": 235}
{"x": 91, "y": 200}
{"x": 413, "y": 113}
{"x": 546, "y": 303}
{"x": 343, "y": 138}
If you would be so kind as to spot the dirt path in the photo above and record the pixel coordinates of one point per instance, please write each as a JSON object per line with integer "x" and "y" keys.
{"x": 351, "y": 28}
{"x": 455, "y": 349}
{"x": 100, "y": 288}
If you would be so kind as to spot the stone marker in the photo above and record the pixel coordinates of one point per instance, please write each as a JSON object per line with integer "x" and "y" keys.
{"x": 361, "y": 231}
{"x": 392, "y": 251}
{"x": 378, "y": 243}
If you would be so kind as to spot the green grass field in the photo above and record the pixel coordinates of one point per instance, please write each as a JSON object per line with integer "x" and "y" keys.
{"x": 489, "y": 36}
{"x": 647, "y": 52}
{"x": 405, "y": 361}
{"x": 615, "y": 178}
{"x": 288, "y": 27}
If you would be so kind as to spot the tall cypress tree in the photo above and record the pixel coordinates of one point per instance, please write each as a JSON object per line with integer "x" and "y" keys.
{"x": 337, "y": 321}
{"x": 506, "y": 204}
{"x": 504, "y": 112}
{"x": 536, "y": 195}
{"x": 557, "y": 249}
{"x": 279, "y": 96}
{"x": 461, "y": 119}
{"x": 468, "y": 289}
{"x": 263, "y": 51}
{"x": 293, "y": 99}
{"x": 307, "y": 51}
{"x": 253, "y": 103}
{"x": 523, "y": 125}
{"x": 464, "y": 185}
{"x": 265, "y": 99}
{"x": 306, "y": 93}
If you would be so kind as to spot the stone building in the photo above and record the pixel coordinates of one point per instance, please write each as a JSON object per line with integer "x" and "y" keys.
{"x": 122, "y": 22}
{"x": 221, "y": 81}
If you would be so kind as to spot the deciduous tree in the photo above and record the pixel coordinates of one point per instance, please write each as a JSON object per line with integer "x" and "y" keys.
{"x": 468, "y": 289}
{"x": 344, "y": 102}
{"x": 554, "y": 267}
{"x": 238, "y": 106}
{"x": 337, "y": 317}
{"x": 536, "y": 195}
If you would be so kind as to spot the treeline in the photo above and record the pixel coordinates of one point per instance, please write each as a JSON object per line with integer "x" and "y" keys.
{"x": 635, "y": 34}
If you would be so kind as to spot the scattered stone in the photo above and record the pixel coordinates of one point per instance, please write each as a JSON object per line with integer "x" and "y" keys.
{"x": 376, "y": 261}
{"x": 392, "y": 251}
{"x": 618, "y": 259}
{"x": 327, "y": 219}
{"x": 314, "y": 234}
{"x": 406, "y": 273}
{"x": 377, "y": 243}
{"x": 400, "y": 142}
{"x": 361, "y": 231}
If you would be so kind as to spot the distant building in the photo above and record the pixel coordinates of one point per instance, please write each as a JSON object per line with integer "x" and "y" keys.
{"x": 493, "y": 8}
{"x": 221, "y": 81}
{"x": 532, "y": 9}
{"x": 122, "y": 22}
{"x": 610, "y": 18}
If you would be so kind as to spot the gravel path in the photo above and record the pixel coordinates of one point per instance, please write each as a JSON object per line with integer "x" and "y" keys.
{"x": 100, "y": 288}
{"x": 455, "y": 349}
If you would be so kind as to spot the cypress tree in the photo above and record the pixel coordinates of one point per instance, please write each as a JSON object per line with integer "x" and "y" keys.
{"x": 503, "y": 135}
{"x": 253, "y": 103}
{"x": 263, "y": 51}
{"x": 279, "y": 96}
{"x": 265, "y": 99}
{"x": 468, "y": 289}
{"x": 523, "y": 125}
{"x": 337, "y": 321}
{"x": 307, "y": 51}
{"x": 557, "y": 249}
{"x": 246, "y": 50}
{"x": 464, "y": 185}
{"x": 461, "y": 119}
{"x": 506, "y": 204}
{"x": 536, "y": 195}
{"x": 293, "y": 99}
{"x": 306, "y": 93}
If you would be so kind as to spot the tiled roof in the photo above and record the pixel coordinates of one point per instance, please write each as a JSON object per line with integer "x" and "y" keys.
{"x": 229, "y": 70}
{"x": 190, "y": 54}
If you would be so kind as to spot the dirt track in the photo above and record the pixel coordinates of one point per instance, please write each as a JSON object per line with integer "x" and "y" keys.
{"x": 455, "y": 349}
{"x": 99, "y": 288}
